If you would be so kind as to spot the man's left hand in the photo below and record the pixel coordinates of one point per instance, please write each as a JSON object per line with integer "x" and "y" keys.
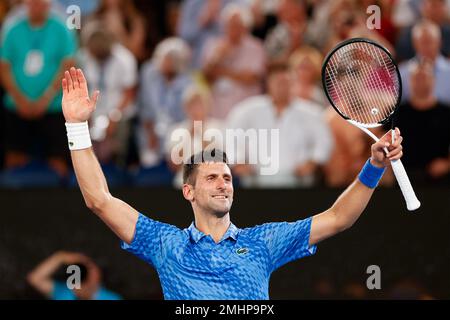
{"x": 379, "y": 157}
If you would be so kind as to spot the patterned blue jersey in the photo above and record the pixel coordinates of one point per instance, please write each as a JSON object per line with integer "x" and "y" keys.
{"x": 192, "y": 266}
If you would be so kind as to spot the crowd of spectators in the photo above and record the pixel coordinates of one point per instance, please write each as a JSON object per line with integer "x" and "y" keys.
{"x": 227, "y": 64}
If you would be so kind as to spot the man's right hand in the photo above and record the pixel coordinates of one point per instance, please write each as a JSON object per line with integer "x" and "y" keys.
{"x": 76, "y": 104}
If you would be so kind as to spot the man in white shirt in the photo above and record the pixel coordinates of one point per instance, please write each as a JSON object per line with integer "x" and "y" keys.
{"x": 304, "y": 143}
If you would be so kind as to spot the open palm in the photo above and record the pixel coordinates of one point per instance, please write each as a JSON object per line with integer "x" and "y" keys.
{"x": 76, "y": 104}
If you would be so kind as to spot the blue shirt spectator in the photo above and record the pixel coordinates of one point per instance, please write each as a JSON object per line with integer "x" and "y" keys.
{"x": 62, "y": 292}
{"x": 162, "y": 83}
{"x": 199, "y": 21}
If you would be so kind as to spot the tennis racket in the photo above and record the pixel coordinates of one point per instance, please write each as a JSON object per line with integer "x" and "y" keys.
{"x": 363, "y": 84}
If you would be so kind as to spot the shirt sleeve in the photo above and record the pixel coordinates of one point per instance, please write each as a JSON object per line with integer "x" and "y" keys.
{"x": 287, "y": 241}
{"x": 148, "y": 240}
{"x": 61, "y": 292}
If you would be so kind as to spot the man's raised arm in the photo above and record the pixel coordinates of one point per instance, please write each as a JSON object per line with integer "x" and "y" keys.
{"x": 77, "y": 108}
{"x": 352, "y": 202}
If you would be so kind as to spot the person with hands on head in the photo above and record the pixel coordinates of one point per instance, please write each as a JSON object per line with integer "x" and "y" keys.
{"x": 212, "y": 258}
{"x": 43, "y": 279}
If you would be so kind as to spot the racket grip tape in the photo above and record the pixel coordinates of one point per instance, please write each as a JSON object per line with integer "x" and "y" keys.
{"x": 412, "y": 203}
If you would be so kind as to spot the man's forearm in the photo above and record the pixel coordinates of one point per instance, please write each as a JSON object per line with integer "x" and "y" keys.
{"x": 90, "y": 178}
{"x": 350, "y": 204}
{"x": 8, "y": 82}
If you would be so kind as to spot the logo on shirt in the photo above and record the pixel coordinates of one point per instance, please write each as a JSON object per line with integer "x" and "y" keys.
{"x": 242, "y": 251}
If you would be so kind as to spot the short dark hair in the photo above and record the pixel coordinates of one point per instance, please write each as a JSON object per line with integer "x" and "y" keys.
{"x": 278, "y": 67}
{"x": 190, "y": 167}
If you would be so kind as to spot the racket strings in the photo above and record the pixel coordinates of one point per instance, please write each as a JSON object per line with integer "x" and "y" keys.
{"x": 362, "y": 82}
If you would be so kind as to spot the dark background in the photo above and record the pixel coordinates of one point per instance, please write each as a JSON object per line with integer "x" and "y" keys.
{"x": 35, "y": 223}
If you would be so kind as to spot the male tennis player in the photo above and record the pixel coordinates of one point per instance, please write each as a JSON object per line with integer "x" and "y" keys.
{"x": 212, "y": 259}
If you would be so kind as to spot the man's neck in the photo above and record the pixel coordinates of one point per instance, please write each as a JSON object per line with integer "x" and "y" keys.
{"x": 280, "y": 105}
{"x": 37, "y": 21}
{"x": 211, "y": 225}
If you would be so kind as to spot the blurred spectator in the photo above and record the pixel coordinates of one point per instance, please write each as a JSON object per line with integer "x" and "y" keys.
{"x": 387, "y": 29}
{"x": 87, "y": 7}
{"x": 424, "y": 123}
{"x": 90, "y": 288}
{"x": 112, "y": 69}
{"x": 199, "y": 22}
{"x": 349, "y": 21}
{"x": 4, "y": 8}
{"x": 427, "y": 41}
{"x": 304, "y": 142}
{"x": 194, "y": 132}
{"x": 405, "y": 12}
{"x": 289, "y": 33}
{"x": 36, "y": 48}
{"x": 350, "y": 152}
{"x": 163, "y": 80}
{"x": 306, "y": 63}
{"x": 263, "y": 16}
{"x": 18, "y": 10}
{"x": 126, "y": 24}
{"x": 234, "y": 64}
{"x": 436, "y": 11}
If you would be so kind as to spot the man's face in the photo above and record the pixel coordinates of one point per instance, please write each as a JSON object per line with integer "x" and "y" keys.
{"x": 427, "y": 44}
{"x": 235, "y": 28}
{"x": 37, "y": 9}
{"x": 213, "y": 189}
{"x": 279, "y": 84}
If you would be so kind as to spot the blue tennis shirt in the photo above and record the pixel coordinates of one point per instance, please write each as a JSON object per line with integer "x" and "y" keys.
{"x": 192, "y": 266}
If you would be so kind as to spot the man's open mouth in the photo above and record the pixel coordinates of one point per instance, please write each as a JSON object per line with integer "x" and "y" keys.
{"x": 220, "y": 196}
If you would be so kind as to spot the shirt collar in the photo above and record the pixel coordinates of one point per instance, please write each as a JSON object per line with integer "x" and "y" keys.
{"x": 196, "y": 234}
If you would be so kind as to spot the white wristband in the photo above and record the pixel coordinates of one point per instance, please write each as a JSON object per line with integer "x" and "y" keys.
{"x": 78, "y": 135}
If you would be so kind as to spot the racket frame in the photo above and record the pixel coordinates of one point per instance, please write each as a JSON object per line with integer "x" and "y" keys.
{"x": 325, "y": 63}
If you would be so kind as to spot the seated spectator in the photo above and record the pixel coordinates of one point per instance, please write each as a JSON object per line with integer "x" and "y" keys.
{"x": 234, "y": 63}
{"x": 112, "y": 69}
{"x": 304, "y": 142}
{"x": 424, "y": 123}
{"x": 199, "y": 22}
{"x": 436, "y": 11}
{"x": 36, "y": 48}
{"x": 163, "y": 80}
{"x": 288, "y": 34}
{"x": 306, "y": 64}
{"x": 126, "y": 24}
{"x": 192, "y": 134}
{"x": 427, "y": 41}
{"x": 42, "y": 278}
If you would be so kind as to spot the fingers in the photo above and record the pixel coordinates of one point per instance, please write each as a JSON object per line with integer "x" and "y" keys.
{"x": 64, "y": 85}
{"x": 94, "y": 98}
{"x": 73, "y": 74}
{"x": 69, "y": 81}
{"x": 81, "y": 78}
{"x": 395, "y": 150}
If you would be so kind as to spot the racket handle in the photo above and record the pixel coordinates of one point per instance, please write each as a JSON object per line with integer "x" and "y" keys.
{"x": 412, "y": 203}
